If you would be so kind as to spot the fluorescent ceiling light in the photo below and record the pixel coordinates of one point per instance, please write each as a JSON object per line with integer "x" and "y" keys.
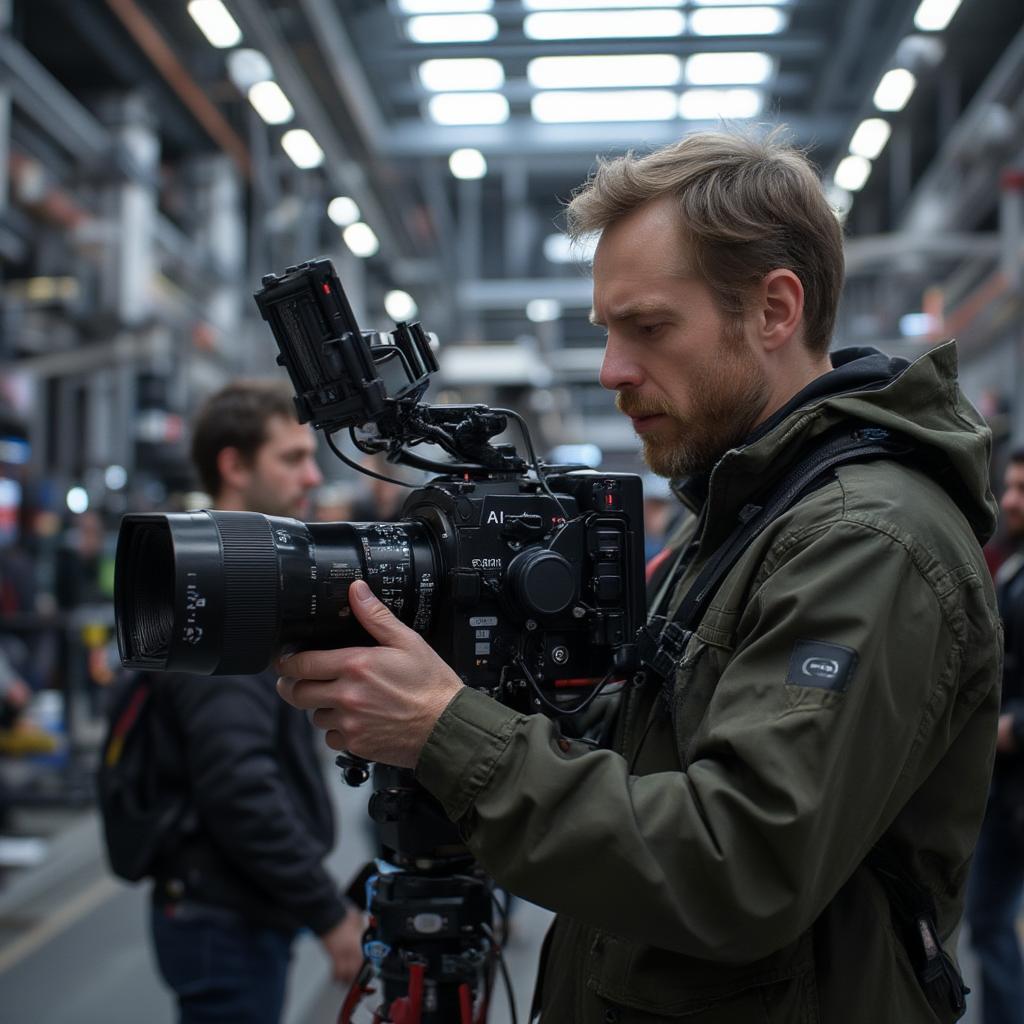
{"x": 627, "y": 105}
{"x": 895, "y": 89}
{"x": 852, "y": 173}
{"x": 870, "y": 137}
{"x": 214, "y": 21}
{"x": 304, "y": 150}
{"x": 270, "y": 103}
{"x": 247, "y": 67}
{"x": 603, "y": 71}
{"x": 713, "y": 104}
{"x": 452, "y": 28}
{"x": 560, "y": 248}
{"x": 737, "y": 21}
{"x": 77, "y": 500}
{"x": 361, "y": 240}
{"x": 593, "y": 5}
{"x": 603, "y": 24}
{"x": 399, "y": 305}
{"x": 729, "y": 68}
{"x": 474, "y": 74}
{"x": 542, "y": 310}
{"x": 444, "y": 6}
{"x": 741, "y": 3}
{"x": 467, "y": 164}
{"x": 468, "y": 108}
{"x": 343, "y": 211}
{"x": 935, "y": 15}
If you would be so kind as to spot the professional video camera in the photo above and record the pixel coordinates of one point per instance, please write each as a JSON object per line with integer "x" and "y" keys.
{"x": 529, "y": 585}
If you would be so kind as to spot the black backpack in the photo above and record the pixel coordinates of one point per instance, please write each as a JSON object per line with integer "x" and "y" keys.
{"x": 142, "y": 815}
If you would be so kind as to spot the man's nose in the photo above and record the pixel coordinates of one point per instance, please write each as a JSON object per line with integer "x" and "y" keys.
{"x": 313, "y": 477}
{"x": 618, "y": 372}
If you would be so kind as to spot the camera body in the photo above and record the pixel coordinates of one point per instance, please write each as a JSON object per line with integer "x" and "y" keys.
{"x": 531, "y": 588}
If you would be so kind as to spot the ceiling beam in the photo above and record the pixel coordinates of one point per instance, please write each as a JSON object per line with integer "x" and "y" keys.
{"x": 524, "y": 137}
{"x": 793, "y": 45}
{"x": 519, "y": 90}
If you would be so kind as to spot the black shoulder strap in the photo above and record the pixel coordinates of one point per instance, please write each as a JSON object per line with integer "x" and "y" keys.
{"x": 663, "y": 639}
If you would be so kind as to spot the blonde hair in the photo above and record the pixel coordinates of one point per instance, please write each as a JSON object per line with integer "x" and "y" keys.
{"x": 747, "y": 206}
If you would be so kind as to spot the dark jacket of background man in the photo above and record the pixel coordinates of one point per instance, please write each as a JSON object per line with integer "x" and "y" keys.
{"x": 247, "y": 871}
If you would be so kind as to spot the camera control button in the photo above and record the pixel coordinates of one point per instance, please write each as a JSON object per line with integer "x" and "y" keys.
{"x": 465, "y": 586}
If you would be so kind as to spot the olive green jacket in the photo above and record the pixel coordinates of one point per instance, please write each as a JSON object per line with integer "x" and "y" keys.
{"x": 710, "y": 868}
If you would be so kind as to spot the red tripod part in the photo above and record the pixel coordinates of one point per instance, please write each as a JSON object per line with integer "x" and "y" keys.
{"x": 409, "y": 1008}
{"x": 355, "y": 994}
{"x": 465, "y": 1005}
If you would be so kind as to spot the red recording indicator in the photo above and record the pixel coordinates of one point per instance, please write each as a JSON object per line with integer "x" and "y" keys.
{"x": 326, "y": 287}
{"x": 569, "y": 683}
{"x": 609, "y": 499}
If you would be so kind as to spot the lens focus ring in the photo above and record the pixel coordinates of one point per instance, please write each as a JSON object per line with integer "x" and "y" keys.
{"x": 251, "y": 614}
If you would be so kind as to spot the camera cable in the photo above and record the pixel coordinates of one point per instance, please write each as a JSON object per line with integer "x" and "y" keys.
{"x": 585, "y": 703}
{"x": 503, "y": 967}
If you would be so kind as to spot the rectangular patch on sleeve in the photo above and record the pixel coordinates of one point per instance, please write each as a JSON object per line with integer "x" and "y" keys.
{"x": 826, "y": 666}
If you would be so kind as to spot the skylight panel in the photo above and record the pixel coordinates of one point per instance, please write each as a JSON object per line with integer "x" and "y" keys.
{"x": 471, "y": 74}
{"x": 729, "y": 68}
{"x": 738, "y": 21}
{"x": 444, "y": 6}
{"x": 604, "y": 71}
{"x": 604, "y": 105}
{"x": 603, "y": 24}
{"x": 594, "y": 5}
{"x": 715, "y": 104}
{"x": 468, "y": 108}
{"x": 452, "y": 28}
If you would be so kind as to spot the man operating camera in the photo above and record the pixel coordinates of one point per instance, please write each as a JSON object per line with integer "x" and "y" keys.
{"x": 782, "y": 829}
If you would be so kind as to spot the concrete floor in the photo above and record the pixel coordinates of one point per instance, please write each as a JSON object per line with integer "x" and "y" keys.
{"x": 74, "y": 941}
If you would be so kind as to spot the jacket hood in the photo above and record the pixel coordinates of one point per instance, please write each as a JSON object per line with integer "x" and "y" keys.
{"x": 921, "y": 400}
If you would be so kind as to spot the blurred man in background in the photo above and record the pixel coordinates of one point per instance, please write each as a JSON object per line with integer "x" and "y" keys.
{"x": 997, "y": 877}
{"x": 247, "y": 873}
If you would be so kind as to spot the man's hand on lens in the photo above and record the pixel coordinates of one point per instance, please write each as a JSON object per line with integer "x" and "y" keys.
{"x": 378, "y": 702}
{"x": 343, "y": 945}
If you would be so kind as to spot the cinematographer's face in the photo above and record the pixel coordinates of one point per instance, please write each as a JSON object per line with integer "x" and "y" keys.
{"x": 1012, "y": 502}
{"x": 684, "y": 373}
{"x": 284, "y": 470}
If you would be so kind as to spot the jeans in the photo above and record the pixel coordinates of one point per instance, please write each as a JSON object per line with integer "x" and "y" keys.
{"x": 993, "y": 904}
{"x": 220, "y": 968}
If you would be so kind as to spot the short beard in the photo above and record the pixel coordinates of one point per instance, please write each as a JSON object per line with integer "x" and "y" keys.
{"x": 726, "y": 399}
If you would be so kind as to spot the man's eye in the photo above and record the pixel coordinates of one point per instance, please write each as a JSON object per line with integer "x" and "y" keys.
{"x": 650, "y": 329}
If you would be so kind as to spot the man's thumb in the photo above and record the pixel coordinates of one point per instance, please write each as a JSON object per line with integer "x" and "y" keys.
{"x": 373, "y": 615}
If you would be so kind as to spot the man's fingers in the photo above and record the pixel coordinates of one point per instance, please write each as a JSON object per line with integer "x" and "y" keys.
{"x": 375, "y": 617}
{"x": 306, "y": 694}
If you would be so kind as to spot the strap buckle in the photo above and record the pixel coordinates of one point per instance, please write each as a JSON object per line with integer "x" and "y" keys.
{"x": 661, "y": 644}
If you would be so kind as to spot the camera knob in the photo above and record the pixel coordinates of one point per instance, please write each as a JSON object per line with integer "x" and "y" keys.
{"x": 542, "y": 582}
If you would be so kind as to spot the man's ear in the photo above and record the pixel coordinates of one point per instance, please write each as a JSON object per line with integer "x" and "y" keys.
{"x": 233, "y": 469}
{"x": 781, "y": 311}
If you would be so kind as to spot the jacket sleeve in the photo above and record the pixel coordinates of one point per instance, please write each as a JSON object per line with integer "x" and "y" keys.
{"x": 787, "y": 788}
{"x": 236, "y": 779}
